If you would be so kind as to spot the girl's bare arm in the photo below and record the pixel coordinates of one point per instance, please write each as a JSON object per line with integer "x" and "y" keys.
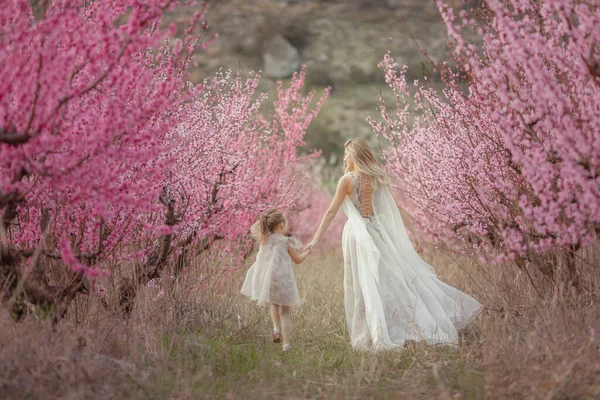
{"x": 296, "y": 257}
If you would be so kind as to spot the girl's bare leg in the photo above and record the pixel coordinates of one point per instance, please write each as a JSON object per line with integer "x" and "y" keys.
{"x": 276, "y": 323}
{"x": 285, "y": 313}
{"x": 275, "y": 317}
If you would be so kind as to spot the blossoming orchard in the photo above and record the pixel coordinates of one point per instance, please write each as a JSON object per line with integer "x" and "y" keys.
{"x": 110, "y": 157}
{"x": 505, "y": 162}
{"x": 108, "y": 154}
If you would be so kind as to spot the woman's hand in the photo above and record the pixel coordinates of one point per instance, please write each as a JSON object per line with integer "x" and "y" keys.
{"x": 414, "y": 242}
{"x": 418, "y": 248}
{"x": 312, "y": 244}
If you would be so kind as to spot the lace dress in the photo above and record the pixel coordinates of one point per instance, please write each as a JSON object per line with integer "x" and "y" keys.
{"x": 271, "y": 278}
{"x": 391, "y": 294}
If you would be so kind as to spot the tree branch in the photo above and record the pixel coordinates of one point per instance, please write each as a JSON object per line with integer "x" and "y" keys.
{"x": 11, "y": 137}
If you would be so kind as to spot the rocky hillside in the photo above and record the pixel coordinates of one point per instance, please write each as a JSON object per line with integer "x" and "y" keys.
{"x": 339, "y": 41}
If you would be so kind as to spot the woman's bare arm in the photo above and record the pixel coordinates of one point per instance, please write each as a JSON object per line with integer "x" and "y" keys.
{"x": 343, "y": 189}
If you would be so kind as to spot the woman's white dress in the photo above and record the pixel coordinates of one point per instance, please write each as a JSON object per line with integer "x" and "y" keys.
{"x": 391, "y": 294}
{"x": 271, "y": 278}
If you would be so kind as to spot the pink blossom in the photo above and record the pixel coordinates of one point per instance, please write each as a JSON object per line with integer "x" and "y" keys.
{"x": 507, "y": 156}
{"x": 102, "y": 137}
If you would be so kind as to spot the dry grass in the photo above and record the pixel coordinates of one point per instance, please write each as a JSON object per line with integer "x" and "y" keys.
{"x": 204, "y": 340}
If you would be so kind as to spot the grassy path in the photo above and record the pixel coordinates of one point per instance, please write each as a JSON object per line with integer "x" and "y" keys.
{"x": 233, "y": 356}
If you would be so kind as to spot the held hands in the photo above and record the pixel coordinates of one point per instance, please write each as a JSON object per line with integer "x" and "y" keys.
{"x": 305, "y": 250}
{"x": 305, "y": 254}
{"x": 312, "y": 244}
{"x": 298, "y": 256}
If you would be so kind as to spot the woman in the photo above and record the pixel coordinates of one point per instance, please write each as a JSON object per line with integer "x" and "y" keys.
{"x": 391, "y": 294}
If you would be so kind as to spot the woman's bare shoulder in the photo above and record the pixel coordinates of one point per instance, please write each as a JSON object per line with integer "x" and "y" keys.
{"x": 346, "y": 179}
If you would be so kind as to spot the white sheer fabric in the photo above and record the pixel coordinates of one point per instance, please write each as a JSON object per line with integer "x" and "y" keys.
{"x": 391, "y": 293}
{"x": 271, "y": 278}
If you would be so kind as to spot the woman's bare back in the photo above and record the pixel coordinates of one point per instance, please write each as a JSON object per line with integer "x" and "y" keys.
{"x": 363, "y": 194}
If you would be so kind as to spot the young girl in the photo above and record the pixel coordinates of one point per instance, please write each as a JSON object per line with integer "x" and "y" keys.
{"x": 271, "y": 278}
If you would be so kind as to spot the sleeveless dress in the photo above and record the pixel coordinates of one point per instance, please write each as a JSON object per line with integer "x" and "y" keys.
{"x": 271, "y": 278}
{"x": 391, "y": 294}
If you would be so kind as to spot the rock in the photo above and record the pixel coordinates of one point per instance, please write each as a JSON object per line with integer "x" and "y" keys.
{"x": 280, "y": 58}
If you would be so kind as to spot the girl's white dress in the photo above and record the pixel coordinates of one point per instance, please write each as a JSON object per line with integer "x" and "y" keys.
{"x": 271, "y": 278}
{"x": 391, "y": 294}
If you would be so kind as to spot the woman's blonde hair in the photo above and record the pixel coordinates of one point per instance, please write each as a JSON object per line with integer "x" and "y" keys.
{"x": 269, "y": 222}
{"x": 365, "y": 161}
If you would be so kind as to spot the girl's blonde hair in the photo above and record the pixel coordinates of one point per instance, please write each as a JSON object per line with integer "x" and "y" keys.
{"x": 269, "y": 222}
{"x": 365, "y": 161}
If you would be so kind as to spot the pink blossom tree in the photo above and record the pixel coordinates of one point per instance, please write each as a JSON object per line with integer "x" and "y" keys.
{"x": 228, "y": 163}
{"x": 507, "y": 158}
{"x": 92, "y": 172}
{"x": 86, "y": 99}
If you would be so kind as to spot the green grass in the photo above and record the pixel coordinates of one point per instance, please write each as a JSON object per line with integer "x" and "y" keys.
{"x": 232, "y": 355}
{"x": 250, "y": 366}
